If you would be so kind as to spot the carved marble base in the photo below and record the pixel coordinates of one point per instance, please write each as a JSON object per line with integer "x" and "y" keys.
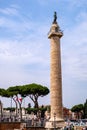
{"x": 57, "y": 125}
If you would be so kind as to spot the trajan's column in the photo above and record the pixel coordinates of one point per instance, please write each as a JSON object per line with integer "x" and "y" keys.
{"x": 55, "y": 77}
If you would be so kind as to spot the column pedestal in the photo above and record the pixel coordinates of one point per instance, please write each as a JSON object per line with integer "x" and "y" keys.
{"x": 55, "y": 125}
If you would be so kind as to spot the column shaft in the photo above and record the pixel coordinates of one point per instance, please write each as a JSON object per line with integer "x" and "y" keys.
{"x": 56, "y": 81}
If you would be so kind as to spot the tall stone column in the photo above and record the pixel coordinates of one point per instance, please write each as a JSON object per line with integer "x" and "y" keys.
{"x": 55, "y": 76}
{"x": 55, "y": 73}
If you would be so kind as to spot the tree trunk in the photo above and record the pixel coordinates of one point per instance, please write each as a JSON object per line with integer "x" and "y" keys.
{"x": 16, "y": 107}
{"x": 36, "y": 104}
{"x": 35, "y": 101}
{"x": 20, "y": 111}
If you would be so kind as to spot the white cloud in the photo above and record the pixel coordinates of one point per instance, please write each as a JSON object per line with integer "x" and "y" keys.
{"x": 21, "y": 61}
{"x": 12, "y": 10}
{"x": 76, "y": 3}
{"x": 75, "y": 51}
{"x": 74, "y": 63}
{"x": 82, "y": 16}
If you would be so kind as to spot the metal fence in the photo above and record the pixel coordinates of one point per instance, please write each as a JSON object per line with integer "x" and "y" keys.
{"x": 29, "y": 122}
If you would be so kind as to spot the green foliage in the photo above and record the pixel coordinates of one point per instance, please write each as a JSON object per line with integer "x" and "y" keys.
{"x": 3, "y": 92}
{"x": 10, "y": 109}
{"x": 77, "y": 108}
{"x": 34, "y": 91}
{"x": 13, "y": 90}
{"x": 31, "y": 90}
{"x": 30, "y": 110}
{"x": 43, "y": 109}
{"x": 35, "y": 110}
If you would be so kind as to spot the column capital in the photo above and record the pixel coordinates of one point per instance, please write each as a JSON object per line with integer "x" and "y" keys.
{"x": 55, "y": 29}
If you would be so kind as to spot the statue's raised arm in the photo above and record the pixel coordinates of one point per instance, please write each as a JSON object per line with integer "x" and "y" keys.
{"x": 55, "y": 17}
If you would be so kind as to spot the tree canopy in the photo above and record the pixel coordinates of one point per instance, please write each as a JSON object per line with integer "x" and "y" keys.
{"x": 77, "y": 108}
{"x": 17, "y": 93}
{"x": 34, "y": 91}
{"x": 2, "y": 92}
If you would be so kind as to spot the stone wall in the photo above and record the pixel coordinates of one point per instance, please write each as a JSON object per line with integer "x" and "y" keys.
{"x": 17, "y": 126}
{"x": 35, "y": 128}
{"x": 9, "y": 126}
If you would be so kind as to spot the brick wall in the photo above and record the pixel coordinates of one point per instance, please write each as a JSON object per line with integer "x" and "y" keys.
{"x": 36, "y": 128}
{"x": 9, "y": 126}
{"x": 16, "y": 125}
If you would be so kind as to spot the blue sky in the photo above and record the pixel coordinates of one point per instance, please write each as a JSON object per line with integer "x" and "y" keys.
{"x": 25, "y": 48}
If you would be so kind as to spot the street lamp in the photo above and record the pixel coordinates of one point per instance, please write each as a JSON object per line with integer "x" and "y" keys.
{"x": 11, "y": 110}
{"x": 1, "y": 111}
{"x": 54, "y": 121}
